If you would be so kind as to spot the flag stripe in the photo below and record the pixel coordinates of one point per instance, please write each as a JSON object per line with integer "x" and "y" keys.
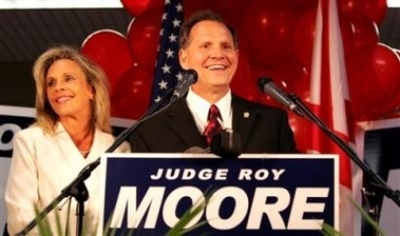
{"x": 328, "y": 92}
{"x": 329, "y": 98}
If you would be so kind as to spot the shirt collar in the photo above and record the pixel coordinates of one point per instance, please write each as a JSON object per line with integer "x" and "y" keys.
{"x": 201, "y": 106}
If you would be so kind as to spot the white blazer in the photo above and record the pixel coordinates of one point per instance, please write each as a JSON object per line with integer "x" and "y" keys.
{"x": 41, "y": 166}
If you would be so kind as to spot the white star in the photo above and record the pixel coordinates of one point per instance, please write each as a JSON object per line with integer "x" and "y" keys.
{"x": 166, "y": 69}
{"x": 164, "y": 16}
{"x": 179, "y": 76}
{"x": 176, "y": 23}
{"x": 162, "y": 31}
{"x": 158, "y": 98}
{"x": 172, "y": 38}
{"x": 178, "y": 7}
{"x": 170, "y": 53}
{"x": 167, "y": 2}
{"x": 163, "y": 84}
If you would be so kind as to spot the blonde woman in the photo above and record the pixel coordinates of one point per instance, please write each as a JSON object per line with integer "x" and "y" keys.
{"x": 72, "y": 130}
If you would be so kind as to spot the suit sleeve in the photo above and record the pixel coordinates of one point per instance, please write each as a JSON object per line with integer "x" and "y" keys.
{"x": 137, "y": 143}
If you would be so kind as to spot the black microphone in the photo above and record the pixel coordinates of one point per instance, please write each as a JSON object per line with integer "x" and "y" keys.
{"x": 189, "y": 78}
{"x": 268, "y": 86}
{"x": 226, "y": 144}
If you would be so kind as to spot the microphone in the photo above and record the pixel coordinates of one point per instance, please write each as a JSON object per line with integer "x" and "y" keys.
{"x": 226, "y": 144}
{"x": 268, "y": 86}
{"x": 189, "y": 78}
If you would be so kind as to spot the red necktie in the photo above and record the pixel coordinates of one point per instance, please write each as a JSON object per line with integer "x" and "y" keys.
{"x": 213, "y": 126}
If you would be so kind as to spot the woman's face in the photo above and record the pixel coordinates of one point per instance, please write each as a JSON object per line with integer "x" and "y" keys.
{"x": 67, "y": 89}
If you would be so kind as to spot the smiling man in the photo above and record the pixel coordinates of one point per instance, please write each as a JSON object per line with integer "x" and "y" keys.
{"x": 209, "y": 46}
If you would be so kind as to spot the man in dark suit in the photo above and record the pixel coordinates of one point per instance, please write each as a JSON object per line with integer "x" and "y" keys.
{"x": 210, "y": 47}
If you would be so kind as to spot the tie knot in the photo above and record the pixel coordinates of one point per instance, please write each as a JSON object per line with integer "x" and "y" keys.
{"x": 213, "y": 112}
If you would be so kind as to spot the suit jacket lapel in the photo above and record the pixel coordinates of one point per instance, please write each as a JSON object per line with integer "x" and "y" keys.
{"x": 69, "y": 151}
{"x": 182, "y": 124}
{"x": 243, "y": 118}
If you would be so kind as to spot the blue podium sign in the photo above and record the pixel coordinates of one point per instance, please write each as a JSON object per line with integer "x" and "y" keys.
{"x": 251, "y": 195}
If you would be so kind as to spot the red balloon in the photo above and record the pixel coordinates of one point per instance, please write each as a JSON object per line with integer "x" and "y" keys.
{"x": 230, "y": 10}
{"x": 301, "y": 131}
{"x": 136, "y": 7}
{"x": 391, "y": 108}
{"x": 366, "y": 32}
{"x": 242, "y": 77}
{"x": 392, "y": 114}
{"x": 397, "y": 51}
{"x": 243, "y": 85}
{"x": 307, "y": 4}
{"x": 346, "y": 29}
{"x": 304, "y": 37}
{"x": 248, "y": 91}
{"x": 143, "y": 37}
{"x": 269, "y": 27}
{"x": 374, "y": 80}
{"x": 110, "y": 50}
{"x": 305, "y": 33}
{"x": 374, "y": 9}
{"x": 132, "y": 96}
{"x": 301, "y": 87}
{"x": 348, "y": 6}
{"x": 289, "y": 71}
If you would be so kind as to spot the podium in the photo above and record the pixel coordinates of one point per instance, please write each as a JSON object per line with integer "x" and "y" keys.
{"x": 251, "y": 195}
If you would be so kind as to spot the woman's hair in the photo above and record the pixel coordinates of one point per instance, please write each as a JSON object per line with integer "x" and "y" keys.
{"x": 197, "y": 17}
{"x": 95, "y": 76}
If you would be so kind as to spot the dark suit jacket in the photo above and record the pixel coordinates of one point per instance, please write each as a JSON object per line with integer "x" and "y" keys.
{"x": 262, "y": 129}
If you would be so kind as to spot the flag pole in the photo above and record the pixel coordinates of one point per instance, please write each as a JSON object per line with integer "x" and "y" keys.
{"x": 375, "y": 179}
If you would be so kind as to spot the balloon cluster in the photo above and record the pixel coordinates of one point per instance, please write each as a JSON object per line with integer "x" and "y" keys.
{"x": 276, "y": 41}
{"x": 129, "y": 59}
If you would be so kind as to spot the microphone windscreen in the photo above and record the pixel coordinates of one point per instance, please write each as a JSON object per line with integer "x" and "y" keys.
{"x": 192, "y": 73}
{"x": 226, "y": 144}
{"x": 262, "y": 82}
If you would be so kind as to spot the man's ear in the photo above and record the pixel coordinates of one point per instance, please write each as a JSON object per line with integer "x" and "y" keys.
{"x": 183, "y": 59}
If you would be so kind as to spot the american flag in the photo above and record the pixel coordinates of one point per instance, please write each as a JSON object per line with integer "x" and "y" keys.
{"x": 167, "y": 69}
{"x": 329, "y": 98}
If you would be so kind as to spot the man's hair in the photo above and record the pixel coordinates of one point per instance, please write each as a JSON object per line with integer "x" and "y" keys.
{"x": 198, "y": 17}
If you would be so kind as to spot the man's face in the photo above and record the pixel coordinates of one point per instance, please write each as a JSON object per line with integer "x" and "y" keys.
{"x": 212, "y": 54}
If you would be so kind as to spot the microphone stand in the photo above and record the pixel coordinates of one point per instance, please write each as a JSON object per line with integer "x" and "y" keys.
{"x": 374, "y": 178}
{"x": 77, "y": 188}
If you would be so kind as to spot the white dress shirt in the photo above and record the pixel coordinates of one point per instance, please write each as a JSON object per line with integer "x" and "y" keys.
{"x": 199, "y": 108}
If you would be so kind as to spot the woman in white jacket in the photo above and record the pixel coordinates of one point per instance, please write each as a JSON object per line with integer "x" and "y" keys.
{"x": 72, "y": 130}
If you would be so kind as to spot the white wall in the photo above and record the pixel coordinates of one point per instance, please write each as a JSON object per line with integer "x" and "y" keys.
{"x": 390, "y": 213}
{"x": 12, "y": 119}
{"x": 4, "y": 166}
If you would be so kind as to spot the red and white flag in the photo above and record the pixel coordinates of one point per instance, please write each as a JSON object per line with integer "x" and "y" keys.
{"x": 329, "y": 100}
